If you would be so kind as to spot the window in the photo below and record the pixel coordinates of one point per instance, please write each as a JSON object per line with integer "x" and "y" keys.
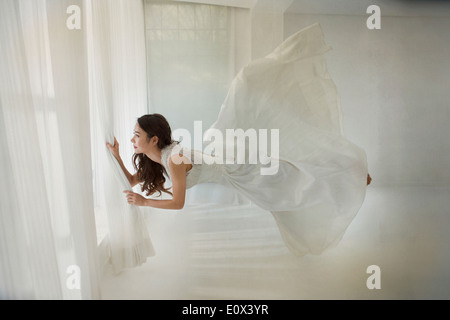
{"x": 190, "y": 60}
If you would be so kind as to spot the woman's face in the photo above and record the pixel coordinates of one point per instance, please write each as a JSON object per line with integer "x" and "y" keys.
{"x": 141, "y": 143}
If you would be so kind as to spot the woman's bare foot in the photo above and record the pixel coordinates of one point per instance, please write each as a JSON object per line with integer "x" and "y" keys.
{"x": 369, "y": 179}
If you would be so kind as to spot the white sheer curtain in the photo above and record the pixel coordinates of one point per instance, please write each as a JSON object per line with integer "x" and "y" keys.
{"x": 118, "y": 97}
{"x": 47, "y": 231}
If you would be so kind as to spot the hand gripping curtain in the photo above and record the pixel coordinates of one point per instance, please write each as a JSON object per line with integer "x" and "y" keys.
{"x": 118, "y": 98}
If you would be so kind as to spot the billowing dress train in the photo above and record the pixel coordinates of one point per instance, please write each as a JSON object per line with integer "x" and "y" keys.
{"x": 321, "y": 180}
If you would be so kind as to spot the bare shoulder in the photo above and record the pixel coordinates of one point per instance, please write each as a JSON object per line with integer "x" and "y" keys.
{"x": 179, "y": 163}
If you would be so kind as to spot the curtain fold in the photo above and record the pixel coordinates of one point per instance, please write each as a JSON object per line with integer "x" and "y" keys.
{"x": 47, "y": 238}
{"x": 118, "y": 97}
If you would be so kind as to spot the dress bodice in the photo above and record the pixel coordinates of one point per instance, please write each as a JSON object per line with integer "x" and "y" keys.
{"x": 200, "y": 172}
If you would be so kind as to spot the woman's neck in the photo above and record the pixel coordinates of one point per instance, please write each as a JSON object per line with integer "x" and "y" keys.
{"x": 156, "y": 156}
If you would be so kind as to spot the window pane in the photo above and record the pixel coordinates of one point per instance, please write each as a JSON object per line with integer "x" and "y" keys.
{"x": 204, "y": 35}
{"x": 154, "y": 35}
{"x": 203, "y": 17}
{"x": 153, "y": 16}
{"x": 187, "y": 35}
{"x": 186, "y": 15}
{"x": 169, "y": 35}
{"x": 170, "y": 16}
{"x": 219, "y": 17}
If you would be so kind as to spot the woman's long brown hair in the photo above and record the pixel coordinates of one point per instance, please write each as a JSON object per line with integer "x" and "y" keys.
{"x": 148, "y": 171}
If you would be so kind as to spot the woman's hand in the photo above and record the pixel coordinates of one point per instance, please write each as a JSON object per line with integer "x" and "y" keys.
{"x": 369, "y": 179}
{"x": 114, "y": 149}
{"x": 134, "y": 198}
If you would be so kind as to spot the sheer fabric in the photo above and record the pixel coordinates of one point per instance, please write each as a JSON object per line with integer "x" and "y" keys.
{"x": 47, "y": 230}
{"x": 118, "y": 98}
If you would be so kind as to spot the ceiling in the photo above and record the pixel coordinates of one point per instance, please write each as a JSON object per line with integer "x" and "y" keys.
{"x": 434, "y": 8}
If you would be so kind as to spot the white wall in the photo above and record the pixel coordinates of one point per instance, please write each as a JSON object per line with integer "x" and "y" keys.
{"x": 267, "y": 26}
{"x": 393, "y": 82}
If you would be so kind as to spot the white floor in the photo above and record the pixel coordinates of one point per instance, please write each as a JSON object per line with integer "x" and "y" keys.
{"x": 237, "y": 253}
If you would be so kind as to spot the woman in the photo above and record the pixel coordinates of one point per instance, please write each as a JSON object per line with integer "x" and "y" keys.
{"x": 152, "y": 142}
{"x": 321, "y": 180}
{"x": 152, "y": 134}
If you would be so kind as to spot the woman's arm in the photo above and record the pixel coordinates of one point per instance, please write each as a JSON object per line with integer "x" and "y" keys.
{"x": 133, "y": 179}
{"x": 178, "y": 172}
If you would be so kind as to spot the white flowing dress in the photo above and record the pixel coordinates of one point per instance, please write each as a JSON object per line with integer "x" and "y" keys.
{"x": 322, "y": 177}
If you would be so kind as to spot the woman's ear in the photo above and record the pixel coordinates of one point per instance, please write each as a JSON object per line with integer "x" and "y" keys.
{"x": 154, "y": 140}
